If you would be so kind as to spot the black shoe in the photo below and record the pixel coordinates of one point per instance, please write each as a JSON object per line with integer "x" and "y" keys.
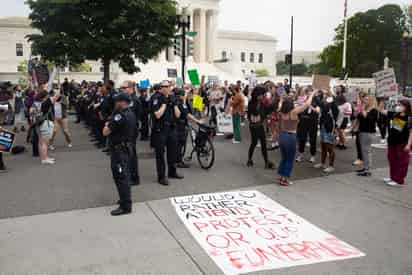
{"x": 23, "y": 129}
{"x": 182, "y": 165}
{"x": 269, "y": 165}
{"x": 164, "y": 182}
{"x": 176, "y": 176}
{"x": 107, "y": 150}
{"x": 120, "y": 211}
{"x": 249, "y": 163}
{"x": 3, "y": 170}
{"x": 365, "y": 174}
{"x": 134, "y": 182}
{"x": 360, "y": 171}
{"x": 273, "y": 148}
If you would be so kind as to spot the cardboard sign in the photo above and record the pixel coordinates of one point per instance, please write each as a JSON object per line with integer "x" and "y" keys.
{"x": 386, "y": 85}
{"x": 171, "y": 73}
{"x": 179, "y": 82}
{"x": 246, "y": 232}
{"x": 144, "y": 83}
{"x": 194, "y": 77}
{"x": 198, "y": 103}
{"x": 321, "y": 82}
{"x": 42, "y": 74}
{"x": 224, "y": 123}
{"x": 7, "y": 139}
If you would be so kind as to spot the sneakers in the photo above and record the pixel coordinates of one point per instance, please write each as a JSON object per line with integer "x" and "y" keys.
{"x": 312, "y": 159}
{"x": 48, "y": 162}
{"x": 383, "y": 141}
{"x": 320, "y": 166}
{"x": 285, "y": 182}
{"x": 3, "y": 170}
{"x": 235, "y": 142}
{"x": 329, "y": 170}
{"x": 269, "y": 165}
{"x": 249, "y": 163}
{"x": 52, "y": 147}
{"x": 70, "y": 145}
{"x": 365, "y": 174}
{"x": 357, "y": 162}
{"x": 386, "y": 180}
{"x": 393, "y": 184}
{"x": 299, "y": 158}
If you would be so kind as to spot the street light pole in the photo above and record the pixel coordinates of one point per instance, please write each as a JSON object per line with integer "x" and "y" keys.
{"x": 184, "y": 24}
{"x": 291, "y": 56}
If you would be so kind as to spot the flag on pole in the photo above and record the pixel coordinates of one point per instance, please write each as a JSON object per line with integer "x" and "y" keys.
{"x": 346, "y": 9}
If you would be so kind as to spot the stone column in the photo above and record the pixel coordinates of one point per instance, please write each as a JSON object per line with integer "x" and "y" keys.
{"x": 211, "y": 37}
{"x": 196, "y": 28}
{"x": 202, "y": 36}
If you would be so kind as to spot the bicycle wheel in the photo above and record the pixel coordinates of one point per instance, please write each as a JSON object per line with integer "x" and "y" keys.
{"x": 206, "y": 155}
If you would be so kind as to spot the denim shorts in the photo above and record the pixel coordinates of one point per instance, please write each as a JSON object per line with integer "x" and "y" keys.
{"x": 325, "y": 137}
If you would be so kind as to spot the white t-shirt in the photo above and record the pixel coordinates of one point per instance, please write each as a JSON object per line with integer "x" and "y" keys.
{"x": 58, "y": 112}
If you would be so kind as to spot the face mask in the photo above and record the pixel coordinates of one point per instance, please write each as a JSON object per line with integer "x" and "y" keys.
{"x": 398, "y": 109}
{"x": 329, "y": 100}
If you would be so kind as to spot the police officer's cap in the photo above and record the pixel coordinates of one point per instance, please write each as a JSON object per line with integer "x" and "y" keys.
{"x": 122, "y": 97}
{"x": 179, "y": 92}
{"x": 157, "y": 87}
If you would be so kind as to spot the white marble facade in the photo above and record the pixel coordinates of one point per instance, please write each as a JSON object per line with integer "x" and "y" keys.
{"x": 215, "y": 52}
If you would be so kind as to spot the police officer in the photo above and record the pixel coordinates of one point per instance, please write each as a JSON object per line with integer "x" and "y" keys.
{"x": 186, "y": 114}
{"x": 144, "y": 118}
{"x": 134, "y": 113}
{"x": 165, "y": 113}
{"x": 117, "y": 129}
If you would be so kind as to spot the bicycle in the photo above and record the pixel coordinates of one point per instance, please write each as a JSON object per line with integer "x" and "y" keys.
{"x": 202, "y": 144}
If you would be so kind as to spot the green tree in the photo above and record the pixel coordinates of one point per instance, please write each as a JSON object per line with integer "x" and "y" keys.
{"x": 282, "y": 68}
{"x": 73, "y": 31}
{"x": 23, "y": 66}
{"x": 372, "y": 35}
{"x": 80, "y": 68}
{"x": 262, "y": 72}
{"x": 300, "y": 69}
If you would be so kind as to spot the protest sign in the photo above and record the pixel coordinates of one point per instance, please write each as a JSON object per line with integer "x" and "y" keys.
{"x": 321, "y": 82}
{"x": 144, "y": 83}
{"x": 386, "y": 85}
{"x": 198, "y": 103}
{"x": 171, "y": 73}
{"x": 7, "y": 139}
{"x": 247, "y": 232}
{"x": 224, "y": 123}
{"x": 42, "y": 74}
{"x": 194, "y": 77}
{"x": 179, "y": 82}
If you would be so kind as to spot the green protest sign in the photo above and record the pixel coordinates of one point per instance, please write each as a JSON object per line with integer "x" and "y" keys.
{"x": 194, "y": 77}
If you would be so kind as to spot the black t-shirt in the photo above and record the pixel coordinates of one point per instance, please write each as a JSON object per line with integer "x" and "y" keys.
{"x": 47, "y": 109}
{"x": 368, "y": 124}
{"x": 399, "y": 128}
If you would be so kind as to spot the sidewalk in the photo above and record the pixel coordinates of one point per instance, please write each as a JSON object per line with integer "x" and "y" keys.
{"x": 364, "y": 212}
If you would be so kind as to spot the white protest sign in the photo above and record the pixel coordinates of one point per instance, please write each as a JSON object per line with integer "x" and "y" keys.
{"x": 224, "y": 123}
{"x": 246, "y": 232}
{"x": 386, "y": 85}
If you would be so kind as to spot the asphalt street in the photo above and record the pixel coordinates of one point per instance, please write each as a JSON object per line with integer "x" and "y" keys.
{"x": 55, "y": 219}
{"x": 82, "y": 178}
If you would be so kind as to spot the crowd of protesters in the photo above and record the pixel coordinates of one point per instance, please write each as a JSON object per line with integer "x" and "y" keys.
{"x": 278, "y": 116}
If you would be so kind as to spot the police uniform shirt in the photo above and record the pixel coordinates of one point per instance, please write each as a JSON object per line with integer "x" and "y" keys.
{"x": 131, "y": 124}
{"x": 136, "y": 107}
{"x": 185, "y": 110}
{"x": 157, "y": 101}
{"x": 118, "y": 126}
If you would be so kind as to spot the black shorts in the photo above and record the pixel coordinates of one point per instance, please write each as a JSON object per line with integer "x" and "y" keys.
{"x": 344, "y": 124}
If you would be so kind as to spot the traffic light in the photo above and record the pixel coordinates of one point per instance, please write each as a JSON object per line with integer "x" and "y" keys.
{"x": 177, "y": 46}
{"x": 288, "y": 59}
{"x": 190, "y": 47}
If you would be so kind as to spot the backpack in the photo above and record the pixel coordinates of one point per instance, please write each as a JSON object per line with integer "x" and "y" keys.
{"x": 36, "y": 115}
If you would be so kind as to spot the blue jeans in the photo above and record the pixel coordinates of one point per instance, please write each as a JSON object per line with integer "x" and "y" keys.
{"x": 287, "y": 145}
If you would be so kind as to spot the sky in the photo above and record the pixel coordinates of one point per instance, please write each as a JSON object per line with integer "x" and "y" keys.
{"x": 315, "y": 20}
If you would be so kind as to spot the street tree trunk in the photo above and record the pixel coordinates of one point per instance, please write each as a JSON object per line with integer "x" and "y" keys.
{"x": 106, "y": 70}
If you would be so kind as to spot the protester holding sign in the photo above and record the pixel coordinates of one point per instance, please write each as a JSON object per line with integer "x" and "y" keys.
{"x": 399, "y": 142}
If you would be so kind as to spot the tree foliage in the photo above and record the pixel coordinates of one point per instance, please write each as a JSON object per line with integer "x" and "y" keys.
{"x": 372, "y": 35}
{"x": 73, "y": 31}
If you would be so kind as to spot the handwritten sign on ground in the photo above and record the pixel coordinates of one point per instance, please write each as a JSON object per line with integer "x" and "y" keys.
{"x": 6, "y": 140}
{"x": 321, "y": 82}
{"x": 246, "y": 232}
{"x": 386, "y": 85}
